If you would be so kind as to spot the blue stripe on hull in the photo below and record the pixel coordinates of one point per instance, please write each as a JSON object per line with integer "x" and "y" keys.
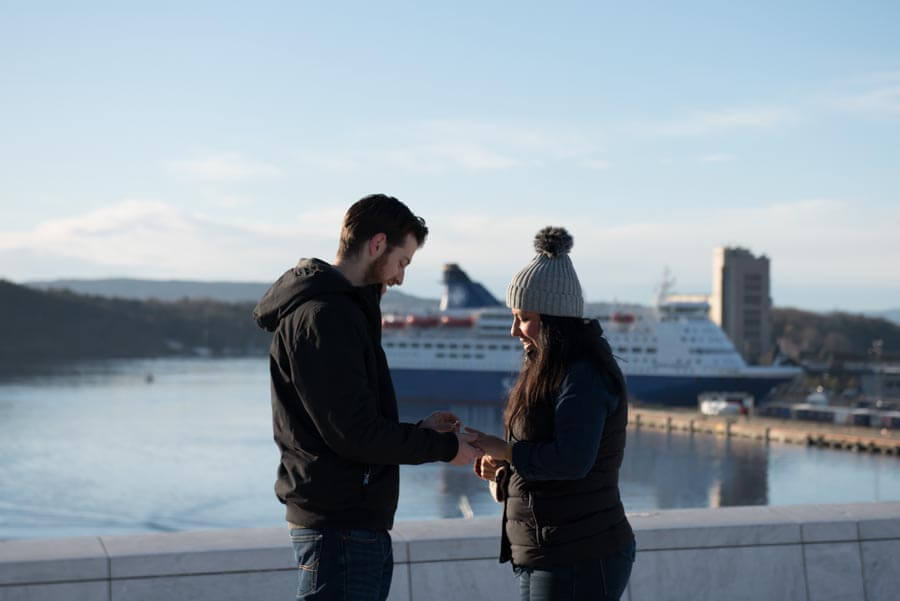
{"x": 491, "y": 387}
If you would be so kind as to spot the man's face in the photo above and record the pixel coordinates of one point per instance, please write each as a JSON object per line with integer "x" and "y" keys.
{"x": 389, "y": 268}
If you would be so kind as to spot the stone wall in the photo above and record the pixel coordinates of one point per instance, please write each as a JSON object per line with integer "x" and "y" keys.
{"x": 809, "y": 552}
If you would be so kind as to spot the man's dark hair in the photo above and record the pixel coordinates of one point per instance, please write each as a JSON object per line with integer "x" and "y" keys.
{"x": 379, "y": 214}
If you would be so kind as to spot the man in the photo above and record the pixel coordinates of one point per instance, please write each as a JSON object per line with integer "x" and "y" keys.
{"x": 334, "y": 411}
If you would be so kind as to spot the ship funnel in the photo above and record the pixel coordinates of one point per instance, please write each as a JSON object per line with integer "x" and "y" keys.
{"x": 462, "y": 293}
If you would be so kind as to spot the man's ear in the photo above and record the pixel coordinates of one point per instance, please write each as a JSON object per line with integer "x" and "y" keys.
{"x": 377, "y": 245}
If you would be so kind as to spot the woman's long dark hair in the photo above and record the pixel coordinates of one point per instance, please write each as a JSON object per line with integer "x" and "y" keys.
{"x": 562, "y": 342}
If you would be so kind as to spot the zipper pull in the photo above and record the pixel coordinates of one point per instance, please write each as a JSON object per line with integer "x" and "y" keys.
{"x": 366, "y": 477}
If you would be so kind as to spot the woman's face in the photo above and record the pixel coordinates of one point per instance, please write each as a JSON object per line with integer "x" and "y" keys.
{"x": 526, "y": 327}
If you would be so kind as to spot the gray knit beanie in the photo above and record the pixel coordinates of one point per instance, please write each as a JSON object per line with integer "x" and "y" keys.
{"x": 548, "y": 284}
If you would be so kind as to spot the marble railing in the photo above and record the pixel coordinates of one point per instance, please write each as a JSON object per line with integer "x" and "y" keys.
{"x": 809, "y": 553}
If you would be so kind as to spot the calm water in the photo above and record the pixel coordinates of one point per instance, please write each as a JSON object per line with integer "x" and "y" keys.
{"x": 96, "y": 449}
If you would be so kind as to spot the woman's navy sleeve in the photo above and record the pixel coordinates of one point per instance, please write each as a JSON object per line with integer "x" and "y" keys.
{"x": 582, "y": 406}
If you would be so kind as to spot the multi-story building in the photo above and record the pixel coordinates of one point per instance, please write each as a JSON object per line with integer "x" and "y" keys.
{"x": 740, "y": 302}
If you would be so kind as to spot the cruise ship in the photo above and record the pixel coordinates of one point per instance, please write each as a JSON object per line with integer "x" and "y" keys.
{"x": 670, "y": 353}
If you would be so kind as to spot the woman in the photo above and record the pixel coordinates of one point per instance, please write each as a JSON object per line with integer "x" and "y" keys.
{"x": 564, "y": 527}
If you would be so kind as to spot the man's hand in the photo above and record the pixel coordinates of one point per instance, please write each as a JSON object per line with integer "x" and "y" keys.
{"x": 491, "y": 445}
{"x": 466, "y": 453}
{"x": 441, "y": 421}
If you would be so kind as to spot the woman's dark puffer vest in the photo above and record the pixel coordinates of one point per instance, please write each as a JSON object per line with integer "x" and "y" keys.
{"x": 556, "y": 522}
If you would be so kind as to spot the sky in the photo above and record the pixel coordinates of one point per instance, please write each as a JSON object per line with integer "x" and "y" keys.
{"x": 223, "y": 141}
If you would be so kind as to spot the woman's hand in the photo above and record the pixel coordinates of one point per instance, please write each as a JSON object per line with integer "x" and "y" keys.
{"x": 441, "y": 421}
{"x": 486, "y": 467}
{"x": 497, "y": 448}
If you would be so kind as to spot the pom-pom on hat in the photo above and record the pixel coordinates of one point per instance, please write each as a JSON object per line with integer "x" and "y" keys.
{"x": 548, "y": 284}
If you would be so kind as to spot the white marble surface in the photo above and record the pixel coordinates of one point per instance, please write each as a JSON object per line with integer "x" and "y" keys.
{"x": 200, "y": 552}
{"x": 770, "y": 573}
{"x": 400, "y": 585}
{"x": 466, "y": 580}
{"x": 440, "y": 540}
{"x": 810, "y": 553}
{"x": 881, "y": 569}
{"x": 68, "y": 591}
{"x": 879, "y": 529}
{"x": 834, "y": 572}
{"x": 208, "y": 587}
{"x": 52, "y": 560}
{"x": 723, "y": 527}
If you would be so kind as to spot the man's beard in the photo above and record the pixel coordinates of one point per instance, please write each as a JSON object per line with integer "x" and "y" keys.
{"x": 374, "y": 274}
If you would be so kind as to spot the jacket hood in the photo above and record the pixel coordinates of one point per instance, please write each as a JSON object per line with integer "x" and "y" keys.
{"x": 308, "y": 279}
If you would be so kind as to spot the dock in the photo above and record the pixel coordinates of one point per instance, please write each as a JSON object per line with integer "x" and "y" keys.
{"x": 849, "y": 438}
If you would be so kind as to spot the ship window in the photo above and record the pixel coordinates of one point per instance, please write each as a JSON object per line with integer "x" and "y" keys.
{"x": 452, "y": 355}
{"x": 427, "y": 345}
{"x": 492, "y": 347}
{"x": 414, "y": 345}
{"x": 466, "y": 356}
{"x": 479, "y": 346}
{"x": 636, "y": 349}
{"x": 622, "y": 349}
{"x": 651, "y": 349}
{"x": 467, "y": 346}
{"x": 452, "y": 345}
{"x": 439, "y": 355}
{"x": 401, "y": 345}
{"x": 479, "y": 356}
{"x": 440, "y": 345}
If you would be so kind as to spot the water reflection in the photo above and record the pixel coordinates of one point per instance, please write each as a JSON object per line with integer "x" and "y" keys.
{"x": 660, "y": 470}
{"x": 194, "y": 450}
{"x": 683, "y": 470}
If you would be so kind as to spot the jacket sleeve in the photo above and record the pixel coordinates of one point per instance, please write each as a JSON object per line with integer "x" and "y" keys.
{"x": 581, "y": 409}
{"x": 329, "y": 373}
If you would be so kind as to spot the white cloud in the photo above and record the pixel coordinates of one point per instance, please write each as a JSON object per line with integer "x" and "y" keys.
{"x": 831, "y": 246}
{"x": 154, "y": 239}
{"x": 597, "y": 164}
{"x": 436, "y": 158}
{"x": 442, "y": 146}
{"x": 224, "y": 167}
{"x": 717, "y": 157}
{"x": 879, "y": 100}
{"x": 821, "y": 244}
{"x": 709, "y": 122}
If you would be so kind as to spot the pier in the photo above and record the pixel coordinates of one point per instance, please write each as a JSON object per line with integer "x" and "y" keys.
{"x": 850, "y": 438}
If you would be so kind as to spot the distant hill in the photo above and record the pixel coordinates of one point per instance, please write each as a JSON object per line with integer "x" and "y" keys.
{"x": 225, "y": 292}
{"x": 144, "y": 318}
{"x": 891, "y": 315}
{"x": 804, "y": 334}
{"x": 41, "y": 325}
{"x": 162, "y": 290}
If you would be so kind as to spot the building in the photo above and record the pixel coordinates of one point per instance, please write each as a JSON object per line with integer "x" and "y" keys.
{"x": 740, "y": 302}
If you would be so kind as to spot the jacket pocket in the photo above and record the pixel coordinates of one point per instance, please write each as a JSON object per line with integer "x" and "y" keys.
{"x": 532, "y": 504}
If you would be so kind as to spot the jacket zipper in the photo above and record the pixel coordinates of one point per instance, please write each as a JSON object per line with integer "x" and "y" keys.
{"x": 537, "y": 527}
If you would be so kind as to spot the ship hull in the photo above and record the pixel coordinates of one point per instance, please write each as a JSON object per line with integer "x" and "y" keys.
{"x": 454, "y": 386}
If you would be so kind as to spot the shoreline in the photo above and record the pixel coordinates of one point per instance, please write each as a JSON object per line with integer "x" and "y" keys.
{"x": 767, "y": 429}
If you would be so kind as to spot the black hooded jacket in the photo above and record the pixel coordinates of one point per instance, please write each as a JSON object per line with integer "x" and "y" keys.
{"x": 334, "y": 412}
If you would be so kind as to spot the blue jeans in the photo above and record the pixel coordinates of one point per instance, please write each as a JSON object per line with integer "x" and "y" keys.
{"x": 597, "y": 579}
{"x": 345, "y": 565}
